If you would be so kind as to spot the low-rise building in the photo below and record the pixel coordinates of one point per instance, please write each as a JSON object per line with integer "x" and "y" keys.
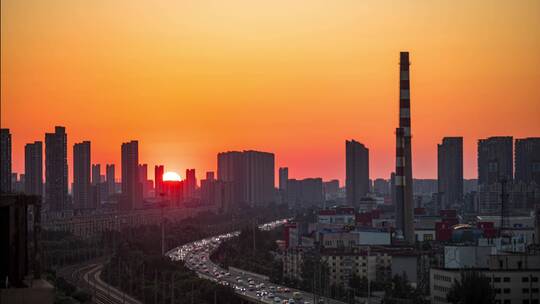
{"x": 514, "y": 277}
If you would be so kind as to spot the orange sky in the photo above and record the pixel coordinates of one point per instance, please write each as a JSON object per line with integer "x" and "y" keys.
{"x": 191, "y": 78}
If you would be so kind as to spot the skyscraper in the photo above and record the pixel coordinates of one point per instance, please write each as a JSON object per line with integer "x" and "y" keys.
{"x": 283, "y": 177}
{"x": 158, "y": 180}
{"x": 131, "y": 187}
{"x": 260, "y": 177}
{"x": 252, "y": 175}
{"x": 356, "y": 171}
{"x": 81, "y": 175}
{"x": 33, "y": 168}
{"x": 96, "y": 174}
{"x": 56, "y": 169}
{"x": 190, "y": 184}
{"x": 450, "y": 171}
{"x": 403, "y": 177}
{"x": 143, "y": 179}
{"x": 495, "y": 160}
{"x": 528, "y": 160}
{"x": 5, "y": 161}
{"x": 110, "y": 176}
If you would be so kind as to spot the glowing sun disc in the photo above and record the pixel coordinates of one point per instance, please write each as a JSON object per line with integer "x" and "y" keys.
{"x": 171, "y": 176}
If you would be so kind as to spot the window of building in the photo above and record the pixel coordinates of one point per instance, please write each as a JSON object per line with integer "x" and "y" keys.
{"x": 525, "y": 302}
{"x": 525, "y": 290}
{"x": 534, "y": 290}
{"x": 506, "y": 279}
{"x": 524, "y": 279}
{"x": 497, "y": 280}
{"x": 506, "y": 290}
{"x": 534, "y": 279}
{"x": 497, "y": 290}
{"x": 507, "y": 301}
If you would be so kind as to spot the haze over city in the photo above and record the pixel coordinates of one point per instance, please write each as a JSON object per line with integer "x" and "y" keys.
{"x": 282, "y": 152}
{"x": 190, "y": 79}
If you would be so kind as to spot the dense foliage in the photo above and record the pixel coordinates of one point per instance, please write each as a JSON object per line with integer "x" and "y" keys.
{"x": 472, "y": 288}
{"x": 138, "y": 268}
{"x": 254, "y": 250}
{"x": 399, "y": 290}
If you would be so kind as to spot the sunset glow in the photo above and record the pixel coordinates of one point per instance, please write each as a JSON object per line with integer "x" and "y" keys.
{"x": 171, "y": 176}
{"x": 189, "y": 79}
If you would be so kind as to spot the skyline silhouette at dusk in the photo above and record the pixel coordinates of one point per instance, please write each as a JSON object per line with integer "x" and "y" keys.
{"x": 189, "y": 80}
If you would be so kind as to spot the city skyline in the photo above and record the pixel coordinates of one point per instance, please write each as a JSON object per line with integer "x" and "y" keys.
{"x": 330, "y": 84}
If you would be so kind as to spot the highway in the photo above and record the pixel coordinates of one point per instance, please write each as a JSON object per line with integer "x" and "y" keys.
{"x": 256, "y": 288}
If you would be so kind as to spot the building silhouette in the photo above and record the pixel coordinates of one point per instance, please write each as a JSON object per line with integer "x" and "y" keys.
{"x": 251, "y": 173}
{"x": 495, "y": 155}
{"x": 381, "y": 186}
{"x": 82, "y": 192}
{"x": 5, "y": 161}
{"x": 356, "y": 171}
{"x": 143, "y": 179}
{"x": 110, "y": 179}
{"x": 158, "y": 180}
{"x": 190, "y": 184}
{"x": 96, "y": 174}
{"x": 403, "y": 176}
{"x": 56, "y": 169}
{"x": 305, "y": 192}
{"x": 283, "y": 177}
{"x": 131, "y": 187}
{"x": 450, "y": 171}
{"x": 33, "y": 168}
{"x": 527, "y": 160}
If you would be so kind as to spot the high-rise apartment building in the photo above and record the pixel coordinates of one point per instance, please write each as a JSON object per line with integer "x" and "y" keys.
{"x": 450, "y": 171}
{"x": 528, "y": 160}
{"x": 495, "y": 160}
{"x": 190, "y": 184}
{"x": 283, "y": 177}
{"x": 381, "y": 186}
{"x": 56, "y": 169}
{"x": 33, "y": 168}
{"x": 5, "y": 161}
{"x": 252, "y": 175}
{"x": 96, "y": 174}
{"x": 356, "y": 171}
{"x": 158, "y": 180}
{"x": 131, "y": 187}
{"x": 110, "y": 179}
{"x": 82, "y": 193}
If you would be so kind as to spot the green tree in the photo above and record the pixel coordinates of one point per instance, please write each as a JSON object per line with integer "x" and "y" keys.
{"x": 401, "y": 291}
{"x": 473, "y": 287}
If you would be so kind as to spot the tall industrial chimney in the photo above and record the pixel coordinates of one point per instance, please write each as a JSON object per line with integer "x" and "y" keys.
{"x": 403, "y": 180}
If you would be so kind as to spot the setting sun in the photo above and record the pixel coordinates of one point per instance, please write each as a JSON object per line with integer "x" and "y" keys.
{"x": 171, "y": 176}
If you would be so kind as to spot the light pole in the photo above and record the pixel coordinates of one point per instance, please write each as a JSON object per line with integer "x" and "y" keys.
{"x": 162, "y": 205}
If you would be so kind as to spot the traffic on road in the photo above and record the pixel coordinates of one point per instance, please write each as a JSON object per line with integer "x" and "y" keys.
{"x": 196, "y": 256}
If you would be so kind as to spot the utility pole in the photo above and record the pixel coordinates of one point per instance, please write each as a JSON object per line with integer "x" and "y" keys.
{"x": 172, "y": 288}
{"x": 155, "y": 286}
{"x": 142, "y": 285}
{"x": 253, "y": 236}
{"x": 368, "y": 278}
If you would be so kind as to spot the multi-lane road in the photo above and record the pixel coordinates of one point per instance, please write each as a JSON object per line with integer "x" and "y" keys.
{"x": 253, "y": 287}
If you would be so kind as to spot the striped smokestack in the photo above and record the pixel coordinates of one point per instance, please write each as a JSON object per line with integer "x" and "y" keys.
{"x": 404, "y": 191}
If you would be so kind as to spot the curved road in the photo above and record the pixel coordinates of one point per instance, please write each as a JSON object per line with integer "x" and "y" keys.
{"x": 256, "y": 288}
